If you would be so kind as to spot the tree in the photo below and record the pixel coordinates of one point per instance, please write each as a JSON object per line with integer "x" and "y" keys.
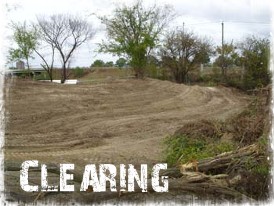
{"x": 229, "y": 59}
{"x": 255, "y": 53}
{"x": 26, "y": 41}
{"x": 134, "y": 31}
{"x": 182, "y": 51}
{"x": 66, "y": 33}
{"x": 121, "y": 62}
{"x": 29, "y": 41}
{"x": 98, "y": 63}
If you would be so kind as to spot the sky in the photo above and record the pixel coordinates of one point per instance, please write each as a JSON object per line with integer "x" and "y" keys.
{"x": 241, "y": 18}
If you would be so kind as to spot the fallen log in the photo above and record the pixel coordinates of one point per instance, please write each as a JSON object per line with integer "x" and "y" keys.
{"x": 197, "y": 184}
{"x": 184, "y": 178}
{"x": 223, "y": 161}
{"x": 227, "y": 159}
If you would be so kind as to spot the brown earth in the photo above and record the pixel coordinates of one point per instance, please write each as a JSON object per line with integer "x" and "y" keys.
{"x": 112, "y": 121}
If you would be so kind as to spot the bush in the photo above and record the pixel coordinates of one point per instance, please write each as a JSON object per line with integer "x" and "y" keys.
{"x": 78, "y": 72}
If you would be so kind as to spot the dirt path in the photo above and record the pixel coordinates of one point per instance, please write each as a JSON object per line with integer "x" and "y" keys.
{"x": 119, "y": 121}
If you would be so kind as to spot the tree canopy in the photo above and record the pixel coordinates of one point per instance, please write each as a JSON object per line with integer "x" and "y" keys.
{"x": 133, "y": 31}
{"x": 230, "y": 57}
{"x": 98, "y": 63}
{"x": 255, "y": 53}
{"x": 26, "y": 41}
{"x": 182, "y": 51}
{"x": 121, "y": 62}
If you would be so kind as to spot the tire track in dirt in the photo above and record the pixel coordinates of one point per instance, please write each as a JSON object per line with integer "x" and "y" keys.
{"x": 122, "y": 121}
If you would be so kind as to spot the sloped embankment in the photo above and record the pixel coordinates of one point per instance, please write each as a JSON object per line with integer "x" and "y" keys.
{"x": 227, "y": 159}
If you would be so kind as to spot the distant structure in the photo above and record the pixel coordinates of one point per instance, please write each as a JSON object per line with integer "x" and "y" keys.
{"x": 20, "y": 65}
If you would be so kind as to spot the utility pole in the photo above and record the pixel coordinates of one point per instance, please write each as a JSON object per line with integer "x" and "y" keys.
{"x": 223, "y": 69}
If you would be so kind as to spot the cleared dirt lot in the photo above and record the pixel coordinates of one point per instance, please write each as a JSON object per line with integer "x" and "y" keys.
{"x": 114, "y": 121}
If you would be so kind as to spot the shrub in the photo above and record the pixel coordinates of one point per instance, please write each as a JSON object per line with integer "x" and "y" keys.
{"x": 78, "y": 72}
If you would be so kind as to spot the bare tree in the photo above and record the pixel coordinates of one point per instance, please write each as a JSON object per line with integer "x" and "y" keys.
{"x": 43, "y": 44}
{"x": 182, "y": 51}
{"x": 65, "y": 33}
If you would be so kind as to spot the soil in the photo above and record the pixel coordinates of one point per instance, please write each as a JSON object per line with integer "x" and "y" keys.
{"x": 116, "y": 121}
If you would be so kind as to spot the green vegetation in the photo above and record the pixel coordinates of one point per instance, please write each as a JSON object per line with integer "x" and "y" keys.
{"x": 121, "y": 62}
{"x": 101, "y": 63}
{"x": 133, "y": 31}
{"x": 229, "y": 58}
{"x": 26, "y": 41}
{"x": 203, "y": 139}
{"x": 133, "y": 34}
{"x": 98, "y": 63}
{"x": 255, "y": 58}
{"x": 78, "y": 72}
{"x": 183, "y": 149}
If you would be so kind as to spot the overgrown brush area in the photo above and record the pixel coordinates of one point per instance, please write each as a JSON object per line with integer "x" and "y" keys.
{"x": 215, "y": 142}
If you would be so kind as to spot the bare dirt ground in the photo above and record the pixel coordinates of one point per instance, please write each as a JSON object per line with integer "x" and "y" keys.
{"x": 114, "y": 121}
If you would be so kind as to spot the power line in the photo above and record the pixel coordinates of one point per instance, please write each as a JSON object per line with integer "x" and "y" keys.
{"x": 218, "y": 22}
{"x": 248, "y": 22}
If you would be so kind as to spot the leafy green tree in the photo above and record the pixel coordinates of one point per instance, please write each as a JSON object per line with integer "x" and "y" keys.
{"x": 229, "y": 59}
{"x": 183, "y": 51}
{"x": 255, "y": 53}
{"x": 26, "y": 41}
{"x": 98, "y": 63}
{"x": 133, "y": 31}
{"x": 121, "y": 62}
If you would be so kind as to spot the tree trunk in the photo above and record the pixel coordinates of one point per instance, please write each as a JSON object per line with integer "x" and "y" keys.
{"x": 27, "y": 59}
{"x": 212, "y": 187}
{"x": 50, "y": 75}
{"x": 139, "y": 72}
{"x": 64, "y": 76}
